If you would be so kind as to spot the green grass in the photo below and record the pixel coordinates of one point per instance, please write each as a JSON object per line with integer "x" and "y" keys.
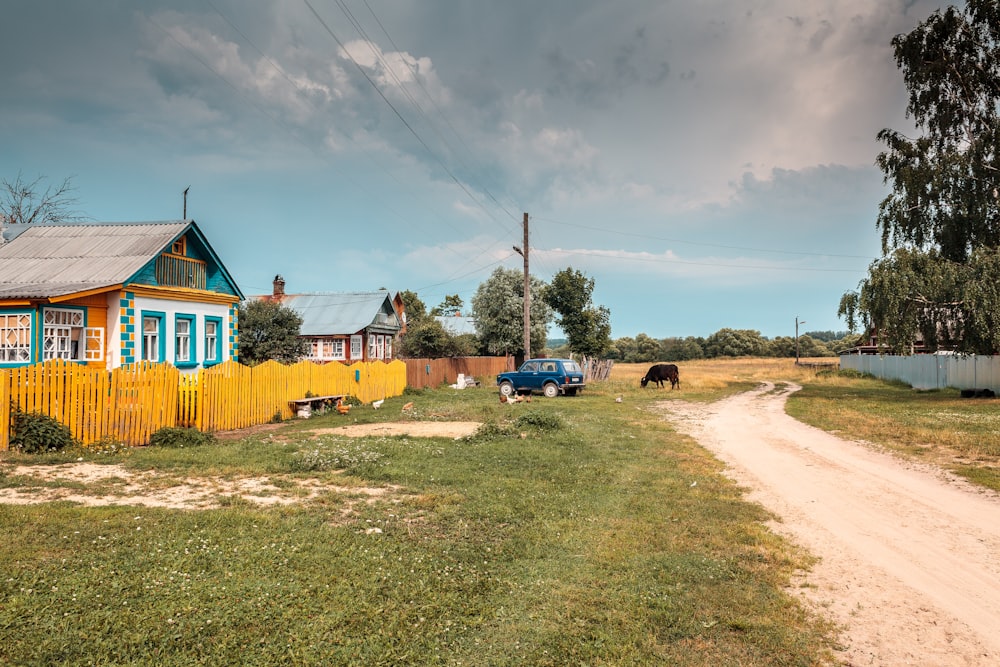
{"x": 937, "y": 427}
{"x": 574, "y": 531}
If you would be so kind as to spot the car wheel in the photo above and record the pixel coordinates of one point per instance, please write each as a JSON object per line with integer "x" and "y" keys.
{"x": 506, "y": 388}
{"x": 550, "y": 390}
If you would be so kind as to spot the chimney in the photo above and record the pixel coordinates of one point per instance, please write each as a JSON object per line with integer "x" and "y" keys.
{"x": 279, "y": 287}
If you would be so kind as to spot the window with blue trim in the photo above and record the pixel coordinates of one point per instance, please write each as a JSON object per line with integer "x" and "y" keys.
{"x": 184, "y": 341}
{"x": 213, "y": 340}
{"x": 153, "y": 343}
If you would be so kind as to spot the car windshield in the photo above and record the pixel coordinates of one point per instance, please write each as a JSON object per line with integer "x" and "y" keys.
{"x": 572, "y": 367}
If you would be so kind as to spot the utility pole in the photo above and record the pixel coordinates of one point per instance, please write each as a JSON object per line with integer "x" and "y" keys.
{"x": 186, "y": 203}
{"x": 523, "y": 252}
{"x": 797, "y": 323}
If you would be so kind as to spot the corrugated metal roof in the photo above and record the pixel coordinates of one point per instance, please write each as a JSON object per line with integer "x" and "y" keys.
{"x": 457, "y": 325}
{"x": 55, "y": 260}
{"x": 330, "y": 313}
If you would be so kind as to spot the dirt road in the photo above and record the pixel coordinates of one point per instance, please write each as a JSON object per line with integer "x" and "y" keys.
{"x": 910, "y": 557}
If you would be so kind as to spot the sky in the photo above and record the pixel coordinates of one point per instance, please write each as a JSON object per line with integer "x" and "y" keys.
{"x": 708, "y": 164}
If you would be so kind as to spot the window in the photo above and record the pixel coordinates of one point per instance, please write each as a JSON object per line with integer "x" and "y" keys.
{"x": 372, "y": 343}
{"x": 381, "y": 347}
{"x": 356, "y": 347}
{"x": 388, "y": 347}
{"x": 152, "y": 336}
{"x": 179, "y": 246}
{"x": 63, "y": 335}
{"x": 184, "y": 349}
{"x": 326, "y": 348}
{"x": 15, "y": 337}
{"x": 213, "y": 341}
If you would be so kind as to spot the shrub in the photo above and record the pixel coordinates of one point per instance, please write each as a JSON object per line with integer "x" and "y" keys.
{"x": 544, "y": 421}
{"x": 175, "y": 436}
{"x": 34, "y": 432}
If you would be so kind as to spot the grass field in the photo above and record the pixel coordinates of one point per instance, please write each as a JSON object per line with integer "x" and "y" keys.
{"x": 568, "y": 531}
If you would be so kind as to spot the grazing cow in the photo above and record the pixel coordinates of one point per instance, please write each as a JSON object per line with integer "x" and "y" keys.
{"x": 661, "y": 372}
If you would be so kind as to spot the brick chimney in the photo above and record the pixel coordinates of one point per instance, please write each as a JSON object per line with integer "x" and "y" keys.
{"x": 279, "y": 287}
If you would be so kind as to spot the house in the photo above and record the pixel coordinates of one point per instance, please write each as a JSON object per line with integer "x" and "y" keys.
{"x": 344, "y": 326}
{"x": 112, "y": 294}
{"x": 457, "y": 325}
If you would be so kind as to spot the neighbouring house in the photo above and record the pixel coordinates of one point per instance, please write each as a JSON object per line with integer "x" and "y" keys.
{"x": 457, "y": 325}
{"x": 344, "y": 326}
{"x": 112, "y": 294}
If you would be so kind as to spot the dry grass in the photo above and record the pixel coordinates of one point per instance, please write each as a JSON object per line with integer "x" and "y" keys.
{"x": 710, "y": 379}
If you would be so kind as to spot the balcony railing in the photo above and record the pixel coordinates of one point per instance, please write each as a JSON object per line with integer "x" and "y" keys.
{"x": 177, "y": 271}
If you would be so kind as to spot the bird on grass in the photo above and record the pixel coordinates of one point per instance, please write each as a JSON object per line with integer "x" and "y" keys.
{"x": 378, "y": 404}
{"x": 341, "y": 408}
{"x": 408, "y": 407}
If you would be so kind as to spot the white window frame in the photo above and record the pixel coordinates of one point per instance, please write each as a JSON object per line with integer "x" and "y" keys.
{"x": 357, "y": 350}
{"x": 183, "y": 339}
{"x": 15, "y": 337}
{"x": 61, "y": 328}
{"x": 212, "y": 340}
{"x": 326, "y": 349}
{"x": 151, "y": 338}
{"x": 388, "y": 347}
{"x": 372, "y": 346}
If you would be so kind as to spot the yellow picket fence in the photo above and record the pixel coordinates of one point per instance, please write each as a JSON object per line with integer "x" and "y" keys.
{"x": 130, "y": 403}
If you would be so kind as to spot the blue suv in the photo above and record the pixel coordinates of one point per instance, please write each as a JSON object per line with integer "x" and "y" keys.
{"x": 549, "y": 376}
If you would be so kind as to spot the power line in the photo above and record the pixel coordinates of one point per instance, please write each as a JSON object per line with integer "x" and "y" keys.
{"x": 707, "y": 245}
{"x": 396, "y": 111}
{"x": 605, "y": 255}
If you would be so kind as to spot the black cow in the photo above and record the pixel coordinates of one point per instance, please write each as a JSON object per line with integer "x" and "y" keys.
{"x": 661, "y": 372}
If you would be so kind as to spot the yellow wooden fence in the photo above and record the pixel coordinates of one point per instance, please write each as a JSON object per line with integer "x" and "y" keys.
{"x": 130, "y": 403}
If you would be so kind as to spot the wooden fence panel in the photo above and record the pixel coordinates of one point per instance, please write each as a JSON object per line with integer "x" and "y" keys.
{"x": 130, "y": 403}
{"x": 422, "y": 373}
{"x": 4, "y": 411}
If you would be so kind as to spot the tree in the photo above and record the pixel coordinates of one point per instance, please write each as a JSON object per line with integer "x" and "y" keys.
{"x": 940, "y": 223}
{"x": 25, "y": 203}
{"x": 269, "y": 330}
{"x": 452, "y": 305}
{"x": 734, "y": 343}
{"x": 413, "y": 307}
{"x": 588, "y": 328}
{"x": 498, "y": 308}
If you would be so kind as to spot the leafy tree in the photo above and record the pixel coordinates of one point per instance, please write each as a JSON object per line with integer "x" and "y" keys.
{"x": 269, "y": 330}
{"x": 25, "y": 203}
{"x": 413, "y": 307}
{"x": 587, "y": 327}
{"x": 452, "y": 305}
{"x": 498, "y": 308}
{"x": 682, "y": 349}
{"x": 734, "y": 343}
{"x": 940, "y": 223}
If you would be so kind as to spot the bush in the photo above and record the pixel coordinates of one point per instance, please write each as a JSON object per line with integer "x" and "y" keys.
{"x": 174, "y": 436}
{"x": 35, "y": 433}
{"x": 543, "y": 421}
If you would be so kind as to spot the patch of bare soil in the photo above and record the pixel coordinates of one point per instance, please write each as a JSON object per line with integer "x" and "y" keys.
{"x": 417, "y": 429}
{"x": 909, "y": 564}
{"x": 96, "y": 484}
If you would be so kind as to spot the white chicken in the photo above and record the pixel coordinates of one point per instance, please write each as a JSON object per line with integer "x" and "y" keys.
{"x": 378, "y": 404}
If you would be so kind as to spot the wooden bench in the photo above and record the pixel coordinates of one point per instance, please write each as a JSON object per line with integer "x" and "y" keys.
{"x": 304, "y": 407}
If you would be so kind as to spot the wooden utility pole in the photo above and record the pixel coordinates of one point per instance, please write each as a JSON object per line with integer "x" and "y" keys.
{"x": 527, "y": 295}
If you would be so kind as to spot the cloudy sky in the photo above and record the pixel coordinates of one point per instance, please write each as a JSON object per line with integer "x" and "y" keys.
{"x": 708, "y": 164}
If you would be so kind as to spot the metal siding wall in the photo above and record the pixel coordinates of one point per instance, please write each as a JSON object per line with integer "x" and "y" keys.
{"x": 930, "y": 371}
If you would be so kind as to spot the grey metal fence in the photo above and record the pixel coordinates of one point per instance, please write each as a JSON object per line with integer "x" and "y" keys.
{"x": 930, "y": 371}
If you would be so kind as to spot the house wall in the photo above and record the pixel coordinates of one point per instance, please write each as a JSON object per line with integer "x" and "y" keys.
{"x": 95, "y": 314}
{"x": 168, "y": 311}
